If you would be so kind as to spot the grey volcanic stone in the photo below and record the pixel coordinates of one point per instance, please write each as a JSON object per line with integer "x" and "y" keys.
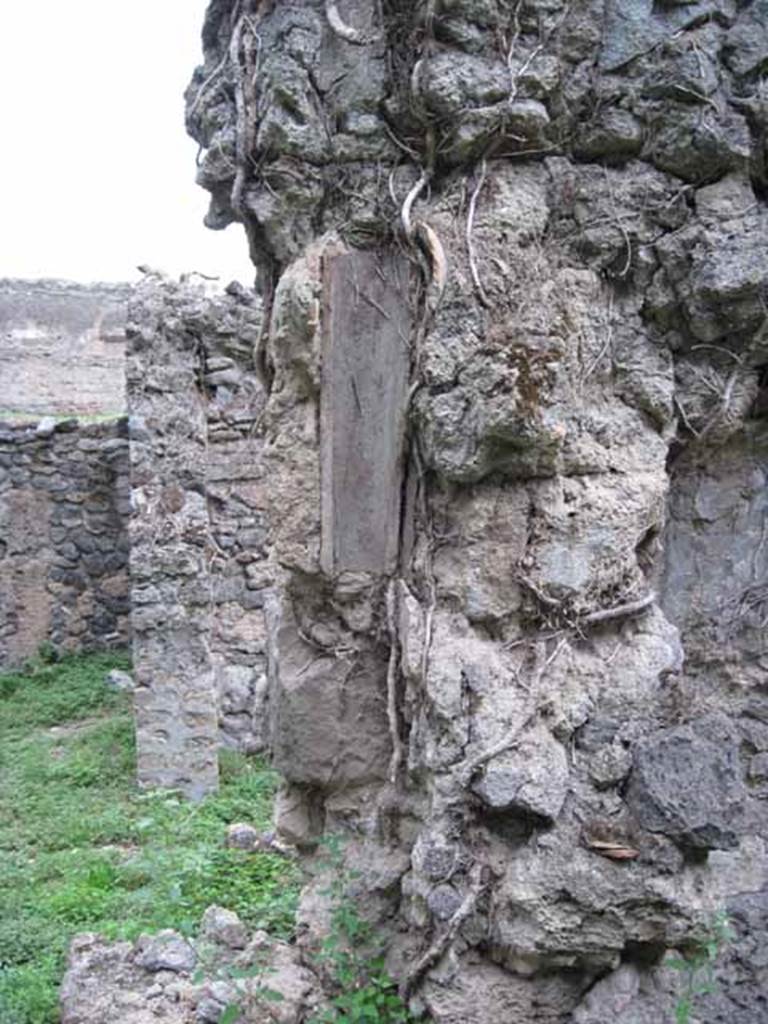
{"x": 610, "y": 765}
{"x": 241, "y": 836}
{"x": 443, "y": 902}
{"x": 746, "y": 46}
{"x": 117, "y": 680}
{"x": 758, "y": 768}
{"x": 698, "y": 146}
{"x": 687, "y": 782}
{"x": 613, "y": 135}
{"x": 633, "y": 27}
{"x": 46, "y": 427}
{"x": 532, "y": 779}
{"x": 631, "y": 996}
{"x": 224, "y": 928}
{"x": 450, "y": 83}
{"x": 166, "y": 951}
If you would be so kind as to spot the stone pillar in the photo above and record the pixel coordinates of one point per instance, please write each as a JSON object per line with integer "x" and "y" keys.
{"x": 176, "y": 698}
{"x": 199, "y": 529}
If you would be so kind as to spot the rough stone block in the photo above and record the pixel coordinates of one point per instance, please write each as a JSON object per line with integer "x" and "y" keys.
{"x": 687, "y": 783}
{"x": 532, "y": 779}
{"x": 331, "y": 709}
{"x": 166, "y": 951}
{"x": 224, "y": 928}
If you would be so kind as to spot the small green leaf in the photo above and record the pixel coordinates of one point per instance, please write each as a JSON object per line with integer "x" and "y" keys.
{"x": 231, "y": 1014}
{"x": 271, "y": 995}
{"x": 677, "y": 964}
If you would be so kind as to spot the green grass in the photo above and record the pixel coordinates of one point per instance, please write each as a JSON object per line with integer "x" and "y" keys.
{"x": 82, "y": 850}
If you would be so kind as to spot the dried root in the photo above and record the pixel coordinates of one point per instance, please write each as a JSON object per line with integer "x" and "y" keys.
{"x": 245, "y": 68}
{"x": 392, "y": 674}
{"x": 425, "y": 236}
{"x": 470, "y": 245}
{"x": 619, "y": 611}
{"x": 410, "y": 199}
{"x": 433, "y": 247}
{"x": 202, "y": 91}
{"x": 344, "y": 31}
{"x": 443, "y": 941}
{"x": 559, "y": 614}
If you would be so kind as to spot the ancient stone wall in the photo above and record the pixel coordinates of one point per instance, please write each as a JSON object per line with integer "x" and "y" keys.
{"x": 540, "y": 731}
{"x": 62, "y": 347}
{"x": 64, "y": 509}
{"x": 197, "y": 557}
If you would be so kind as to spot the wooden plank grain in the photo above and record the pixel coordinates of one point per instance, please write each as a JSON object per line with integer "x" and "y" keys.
{"x": 366, "y": 367}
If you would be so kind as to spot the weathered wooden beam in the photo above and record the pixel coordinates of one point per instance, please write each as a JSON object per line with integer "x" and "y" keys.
{"x": 366, "y": 367}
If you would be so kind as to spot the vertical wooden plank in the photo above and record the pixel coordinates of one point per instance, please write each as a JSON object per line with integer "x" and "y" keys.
{"x": 366, "y": 368}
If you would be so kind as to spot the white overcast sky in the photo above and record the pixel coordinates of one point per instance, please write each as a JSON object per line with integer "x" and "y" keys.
{"x": 96, "y": 171}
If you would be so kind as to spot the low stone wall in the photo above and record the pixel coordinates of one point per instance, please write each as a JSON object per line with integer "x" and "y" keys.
{"x": 64, "y": 508}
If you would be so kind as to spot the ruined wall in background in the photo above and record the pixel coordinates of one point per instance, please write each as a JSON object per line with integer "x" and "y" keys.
{"x": 197, "y": 559}
{"x": 541, "y": 731}
{"x": 62, "y": 347}
{"x": 64, "y": 510}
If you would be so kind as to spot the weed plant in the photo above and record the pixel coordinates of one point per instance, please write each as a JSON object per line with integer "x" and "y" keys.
{"x": 82, "y": 850}
{"x": 697, "y": 966}
{"x": 365, "y": 992}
